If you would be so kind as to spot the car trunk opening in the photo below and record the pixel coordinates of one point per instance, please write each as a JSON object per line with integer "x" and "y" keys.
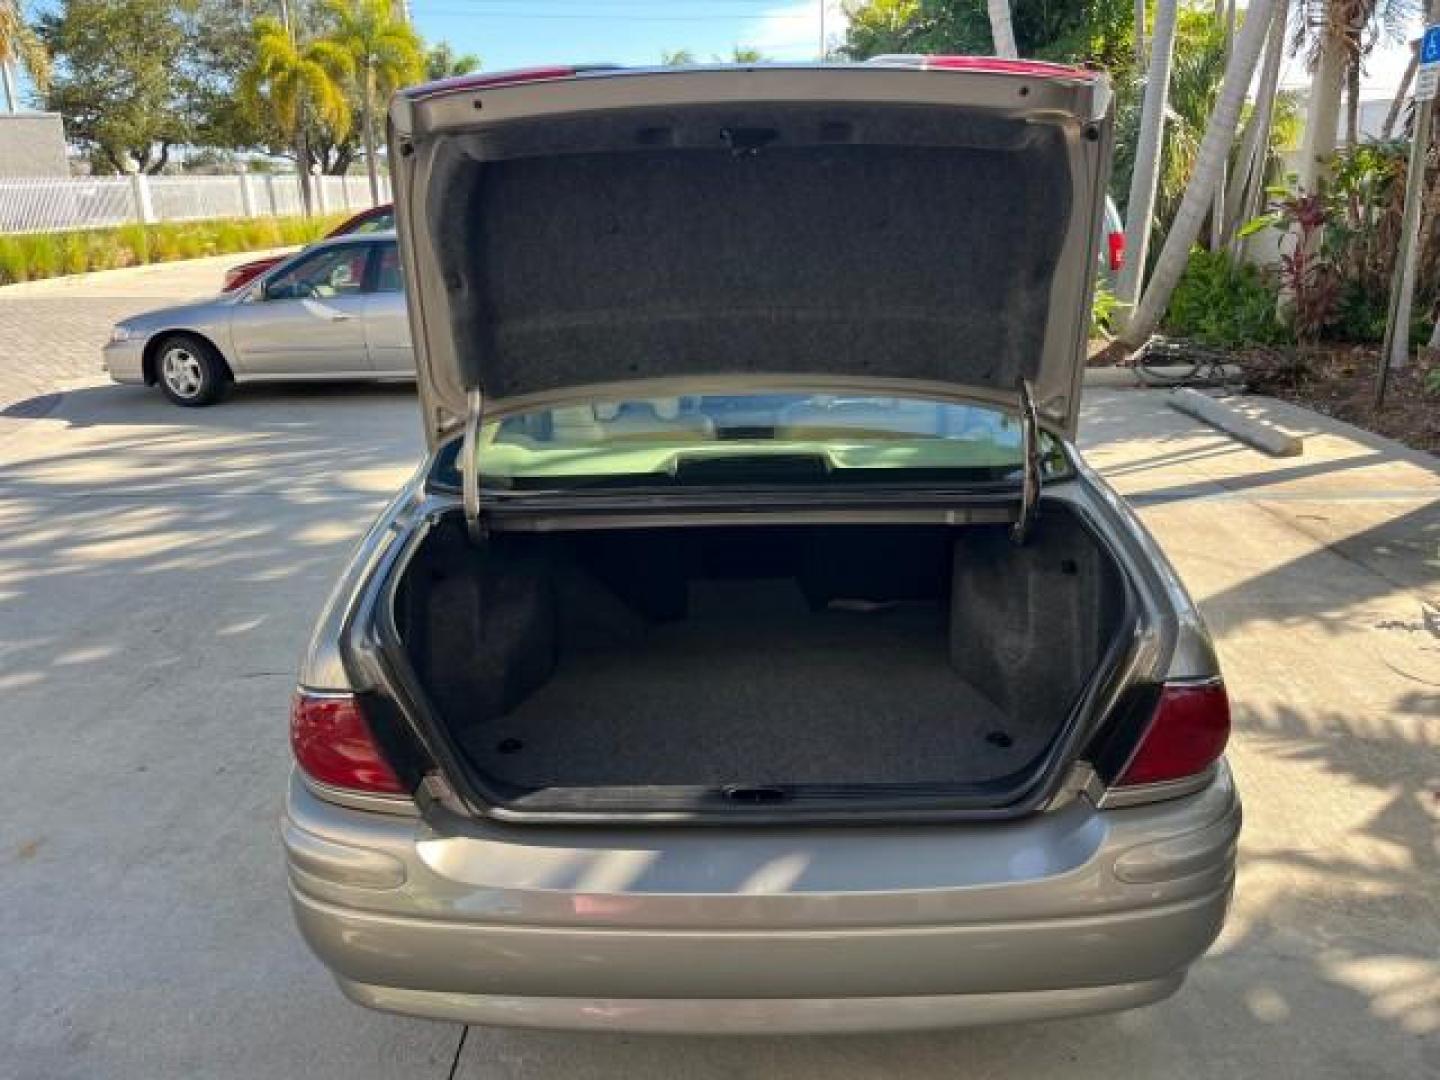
{"x": 699, "y": 668}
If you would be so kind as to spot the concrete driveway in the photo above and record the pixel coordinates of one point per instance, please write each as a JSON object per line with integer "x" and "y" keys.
{"x": 159, "y": 569}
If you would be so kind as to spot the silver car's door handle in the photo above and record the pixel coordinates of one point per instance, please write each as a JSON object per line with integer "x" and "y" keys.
{"x": 340, "y": 316}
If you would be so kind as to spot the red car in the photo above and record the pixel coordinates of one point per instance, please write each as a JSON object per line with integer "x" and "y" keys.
{"x": 376, "y": 219}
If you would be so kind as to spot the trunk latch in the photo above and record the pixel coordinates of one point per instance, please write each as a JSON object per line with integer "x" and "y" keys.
{"x": 470, "y": 464}
{"x": 1030, "y": 464}
{"x": 755, "y": 795}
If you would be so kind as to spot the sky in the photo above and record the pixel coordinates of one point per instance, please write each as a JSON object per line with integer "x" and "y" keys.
{"x": 516, "y": 33}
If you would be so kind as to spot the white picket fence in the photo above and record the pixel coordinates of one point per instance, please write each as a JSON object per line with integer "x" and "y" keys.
{"x": 51, "y": 205}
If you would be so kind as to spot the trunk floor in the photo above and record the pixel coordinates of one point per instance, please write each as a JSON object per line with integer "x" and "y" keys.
{"x": 798, "y": 697}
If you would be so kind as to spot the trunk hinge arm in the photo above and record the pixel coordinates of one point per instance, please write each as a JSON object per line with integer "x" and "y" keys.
{"x": 470, "y": 464}
{"x": 1030, "y": 465}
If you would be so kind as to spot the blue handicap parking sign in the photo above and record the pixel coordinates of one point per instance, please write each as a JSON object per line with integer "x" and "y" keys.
{"x": 1430, "y": 46}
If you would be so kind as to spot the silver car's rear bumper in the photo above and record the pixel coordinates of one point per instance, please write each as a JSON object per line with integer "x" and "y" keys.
{"x": 1073, "y": 911}
{"x": 761, "y": 1016}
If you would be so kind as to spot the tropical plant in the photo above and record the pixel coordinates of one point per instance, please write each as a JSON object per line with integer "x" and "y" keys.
{"x": 677, "y": 57}
{"x": 20, "y": 47}
{"x": 1224, "y": 303}
{"x": 1366, "y": 199}
{"x": 1105, "y": 307}
{"x": 1196, "y": 70}
{"x": 385, "y": 54}
{"x": 443, "y": 62}
{"x": 295, "y": 82}
{"x": 1338, "y": 36}
{"x": 1096, "y": 31}
{"x": 1210, "y": 159}
{"x": 746, "y": 54}
{"x": 1307, "y": 273}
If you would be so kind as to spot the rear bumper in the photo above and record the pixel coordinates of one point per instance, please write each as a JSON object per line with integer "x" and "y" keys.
{"x": 773, "y": 930}
{"x": 761, "y": 1016}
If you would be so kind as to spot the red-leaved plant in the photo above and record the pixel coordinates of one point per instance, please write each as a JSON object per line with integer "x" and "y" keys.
{"x": 1307, "y": 275}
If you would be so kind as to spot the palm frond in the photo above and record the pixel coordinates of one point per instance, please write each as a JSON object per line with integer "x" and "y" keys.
{"x": 21, "y": 46}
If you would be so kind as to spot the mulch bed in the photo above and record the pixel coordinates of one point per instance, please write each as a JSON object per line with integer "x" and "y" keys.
{"x": 1339, "y": 380}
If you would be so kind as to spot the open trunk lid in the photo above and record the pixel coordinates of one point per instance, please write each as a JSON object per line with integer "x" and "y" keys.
{"x": 924, "y": 226}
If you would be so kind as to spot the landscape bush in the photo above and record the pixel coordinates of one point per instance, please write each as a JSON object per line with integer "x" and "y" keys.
{"x": 1224, "y": 304}
{"x": 32, "y": 256}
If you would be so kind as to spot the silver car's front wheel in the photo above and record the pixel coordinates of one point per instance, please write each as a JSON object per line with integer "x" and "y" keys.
{"x": 189, "y": 371}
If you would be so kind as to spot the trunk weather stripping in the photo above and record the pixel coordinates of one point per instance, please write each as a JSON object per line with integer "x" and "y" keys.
{"x": 1030, "y": 452}
{"x": 470, "y": 464}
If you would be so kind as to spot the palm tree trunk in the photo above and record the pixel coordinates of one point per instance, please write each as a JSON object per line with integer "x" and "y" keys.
{"x": 1145, "y": 176}
{"x": 367, "y": 109}
{"x": 1242, "y": 202}
{"x": 1002, "y": 30}
{"x": 1321, "y": 111}
{"x": 1352, "y": 103}
{"x": 1217, "y": 205}
{"x": 1387, "y": 132}
{"x": 7, "y": 77}
{"x": 302, "y": 164}
{"x": 1214, "y": 148}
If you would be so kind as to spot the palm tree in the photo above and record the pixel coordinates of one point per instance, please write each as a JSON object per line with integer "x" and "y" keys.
{"x": 677, "y": 57}
{"x": 1002, "y": 30}
{"x": 1145, "y": 176}
{"x": 295, "y": 82}
{"x": 386, "y": 54}
{"x": 1209, "y": 163}
{"x": 745, "y": 54}
{"x": 442, "y": 62}
{"x": 1242, "y": 197}
{"x": 1342, "y": 34}
{"x": 20, "y": 47}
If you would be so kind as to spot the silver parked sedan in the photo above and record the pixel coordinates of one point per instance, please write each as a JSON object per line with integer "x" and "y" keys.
{"x": 333, "y": 311}
{"x": 754, "y": 651}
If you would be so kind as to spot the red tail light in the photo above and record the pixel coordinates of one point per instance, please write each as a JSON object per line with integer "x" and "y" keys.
{"x": 1117, "y": 250}
{"x": 1186, "y": 735}
{"x": 332, "y": 743}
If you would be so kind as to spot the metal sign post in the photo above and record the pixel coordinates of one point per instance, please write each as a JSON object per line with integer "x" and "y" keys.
{"x": 1395, "y": 352}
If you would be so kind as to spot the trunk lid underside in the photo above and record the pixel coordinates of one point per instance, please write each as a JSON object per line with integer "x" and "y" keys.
{"x": 862, "y": 226}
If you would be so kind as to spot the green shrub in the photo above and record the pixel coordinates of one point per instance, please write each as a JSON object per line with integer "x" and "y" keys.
{"x": 13, "y": 266}
{"x": 103, "y": 253}
{"x": 1360, "y": 316}
{"x": 27, "y": 257}
{"x": 42, "y": 254}
{"x": 74, "y": 253}
{"x": 1103, "y": 307}
{"x": 134, "y": 240}
{"x": 1224, "y": 304}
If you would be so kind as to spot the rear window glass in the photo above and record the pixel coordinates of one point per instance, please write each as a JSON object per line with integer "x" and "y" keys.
{"x": 752, "y": 437}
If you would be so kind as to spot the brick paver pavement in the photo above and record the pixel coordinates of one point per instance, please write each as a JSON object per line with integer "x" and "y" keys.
{"x": 51, "y": 331}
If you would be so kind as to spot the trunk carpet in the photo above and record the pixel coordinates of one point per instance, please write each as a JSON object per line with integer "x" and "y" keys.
{"x": 755, "y": 688}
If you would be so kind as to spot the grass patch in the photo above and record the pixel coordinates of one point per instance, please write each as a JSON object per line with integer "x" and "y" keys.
{"x": 32, "y": 256}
